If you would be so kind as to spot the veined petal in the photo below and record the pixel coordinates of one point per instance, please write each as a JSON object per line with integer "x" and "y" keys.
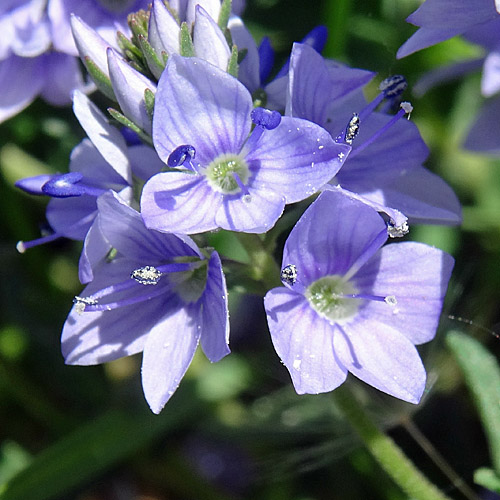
{"x": 164, "y": 31}
{"x": 421, "y": 195}
{"x": 21, "y": 78}
{"x": 295, "y": 159}
{"x": 179, "y": 202}
{"x": 201, "y": 105}
{"x": 314, "y": 85}
{"x": 425, "y": 37}
{"x": 124, "y": 228}
{"x": 209, "y": 41}
{"x": 382, "y": 357}
{"x": 304, "y": 342}
{"x": 168, "y": 352}
{"x": 96, "y": 337}
{"x": 256, "y": 212}
{"x": 334, "y": 233}
{"x": 106, "y": 138}
{"x": 214, "y": 312}
{"x": 417, "y": 276}
{"x": 129, "y": 86}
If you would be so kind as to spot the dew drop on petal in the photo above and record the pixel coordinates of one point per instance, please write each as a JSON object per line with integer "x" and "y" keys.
{"x": 296, "y": 364}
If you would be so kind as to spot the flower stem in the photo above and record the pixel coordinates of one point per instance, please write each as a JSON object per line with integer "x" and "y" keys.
{"x": 385, "y": 451}
{"x": 263, "y": 267}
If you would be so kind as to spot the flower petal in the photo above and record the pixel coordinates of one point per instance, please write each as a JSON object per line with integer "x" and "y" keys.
{"x": 145, "y": 161}
{"x": 382, "y": 357}
{"x": 490, "y": 83}
{"x": 201, "y": 105}
{"x": 254, "y": 214}
{"x": 209, "y": 41}
{"x": 179, "y": 202}
{"x": 304, "y": 342}
{"x": 212, "y": 7}
{"x": 214, "y": 312}
{"x": 417, "y": 276}
{"x": 333, "y": 234}
{"x": 129, "y": 86}
{"x": 295, "y": 159}
{"x": 96, "y": 337}
{"x": 168, "y": 352}
{"x": 95, "y": 248}
{"x": 482, "y": 137}
{"x": 164, "y": 31}
{"x": 106, "y": 138}
{"x": 124, "y": 228}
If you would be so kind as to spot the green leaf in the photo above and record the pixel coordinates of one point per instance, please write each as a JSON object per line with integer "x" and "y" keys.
{"x": 126, "y": 45}
{"x": 186, "y": 45}
{"x": 93, "y": 449}
{"x": 225, "y": 12}
{"x": 487, "y": 478}
{"x": 232, "y": 65}
{"x": 482, "y": 375}
{"x": 100, "y": 78}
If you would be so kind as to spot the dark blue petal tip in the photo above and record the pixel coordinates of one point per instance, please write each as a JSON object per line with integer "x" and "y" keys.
{"x": 181, "y": 155}
{"x": 266, "y": 118}
{"x": 64, "y": 186}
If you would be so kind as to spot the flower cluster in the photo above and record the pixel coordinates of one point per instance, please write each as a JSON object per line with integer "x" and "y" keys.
{"x": 210, "y": 143}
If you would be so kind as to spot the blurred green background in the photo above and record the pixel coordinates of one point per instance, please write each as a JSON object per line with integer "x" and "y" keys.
{"x": 237, "y": 430}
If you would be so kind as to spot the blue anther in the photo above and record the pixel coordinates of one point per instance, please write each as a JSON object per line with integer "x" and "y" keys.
{"x": 181, "y": 155}
{"x": 64, "y": 185}
{"x": 393, "y": 86}
{"x": 266, "y": 118}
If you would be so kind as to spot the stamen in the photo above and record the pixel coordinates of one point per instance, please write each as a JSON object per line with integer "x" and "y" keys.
{"x": 183, "y": 156}
{"x": 69, "y": 185}
{"x": 22, "y": 246}
{"x": 289, "y": 274}
{"x": 405, "y": 108}
{"x": 147, "y": 275}
{"x": 265, "y": 118}
{"x": 393, "y": 86}
{"x": 242, "y": 186}
{"x": 389, "y": 299}
{"x": 82, "y": 302}
{"x": 352, "y": 129}
{"x": 397, "y": 231}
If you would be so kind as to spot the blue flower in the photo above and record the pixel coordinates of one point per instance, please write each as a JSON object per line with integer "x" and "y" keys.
{"x": 230, "y": 179}
{"x": 159, "y": 295}
{"x": 385, "y": 164}
{"x": 349, "y": 305}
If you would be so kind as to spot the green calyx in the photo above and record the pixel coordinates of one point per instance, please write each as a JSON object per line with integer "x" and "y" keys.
{"x": 326, "y": 297}
{"x": 221, "y": 173}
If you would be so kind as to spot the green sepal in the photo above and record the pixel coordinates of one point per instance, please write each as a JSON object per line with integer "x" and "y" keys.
{"x": 126, "y": 45}
{"x": 487, "y": 478}
{"x": 149, "y": 101}
{"x": 138, "y": 23}
{"x": 225, "y": 12}
{"x": 232, "y": 65}
{"x": 100, "y": 78}
{"x": 123, "y": 120}
{"x": 154, "y": 63}
{"x": 186, "y": 42}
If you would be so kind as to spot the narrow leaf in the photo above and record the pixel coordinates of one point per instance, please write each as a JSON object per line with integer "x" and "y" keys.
{"x": 149, "y": 100}
{"x": 125, "y": 44}
{"x": 487, "y": 478}
{"x": 482, "y": 375}
{"x": 155, "y": 64}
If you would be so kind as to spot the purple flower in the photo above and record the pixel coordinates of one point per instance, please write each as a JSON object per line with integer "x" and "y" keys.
{"x": 230, "y": 179}
{"x": 385, "y": 164}
{"x": 159, "y": 295}
{"x": 350, "y": 305}
{"x": 97, "y": 165}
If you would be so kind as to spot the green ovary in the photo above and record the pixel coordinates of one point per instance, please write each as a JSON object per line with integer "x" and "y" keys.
{"x": 220, "y": 173}
{"x": 325, "y": 297}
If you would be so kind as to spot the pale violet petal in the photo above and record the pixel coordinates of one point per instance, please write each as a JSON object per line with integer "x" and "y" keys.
{"x": 212, "y": 7}
{"x": 214, "y": 312}
{"x": 95, "y": 248}
{"x": 164, "y": 32}
{"x": 209, "y": 42}
{"x": 483, "y": 137}
{"x": 129, "y": 86}
{"x": 106, "y": 138}
{"x": 304, "y": 342}
{"x": 167, "y": 355}
{"x": 490, "y": 83}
